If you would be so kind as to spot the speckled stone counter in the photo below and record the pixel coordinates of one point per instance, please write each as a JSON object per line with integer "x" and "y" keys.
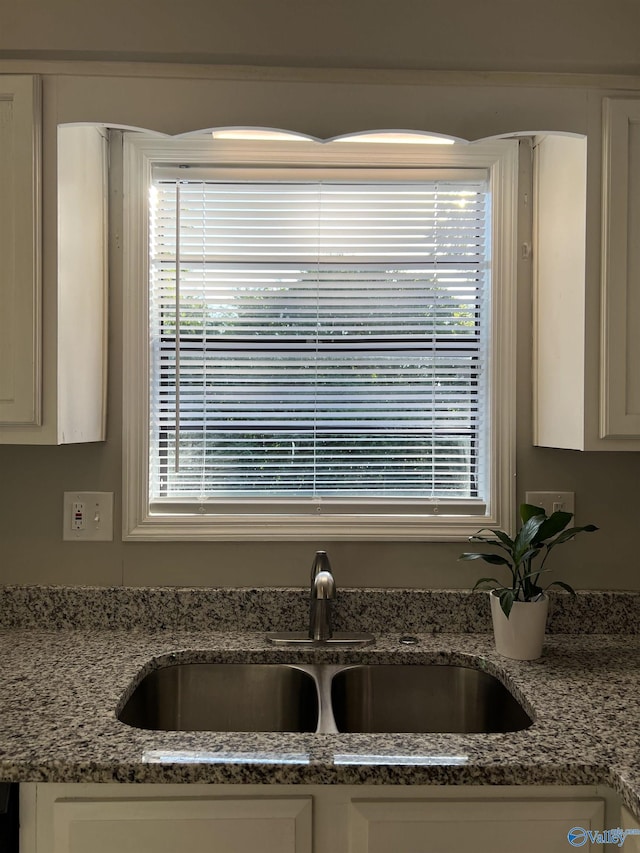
{"x": 282, "y": 609}
{"x": 60, "y": 688}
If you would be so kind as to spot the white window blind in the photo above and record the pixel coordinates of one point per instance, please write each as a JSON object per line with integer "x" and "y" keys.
{"x": 317, "y": 341}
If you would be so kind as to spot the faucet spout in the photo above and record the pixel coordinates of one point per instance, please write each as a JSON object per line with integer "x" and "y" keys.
{"x": 320, "y": 564}
{"x": 323, "y": 592}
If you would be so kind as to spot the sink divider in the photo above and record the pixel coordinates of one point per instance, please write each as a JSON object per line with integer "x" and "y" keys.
{"x": 322, "y": 675}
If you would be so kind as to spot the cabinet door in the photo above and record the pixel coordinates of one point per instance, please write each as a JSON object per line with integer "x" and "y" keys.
{"x": 19, "y": 250}
{"x": 620, "y": 380}
{"x": 176, "y": 825}
{"x": 632, "y": 826}
{"x": 451, "y": 826}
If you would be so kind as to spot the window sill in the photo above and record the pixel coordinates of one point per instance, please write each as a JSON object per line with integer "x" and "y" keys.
{"x": 433, "y": 527}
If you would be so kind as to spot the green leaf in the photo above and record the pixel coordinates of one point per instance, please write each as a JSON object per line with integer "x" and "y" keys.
{"x": 530, "y": 554}
{"x": 535, "y": 572}
{"x": 571, "y": 533}
{"x": 487, "y": 540}
{"x": 505, "y": 541}
{"x": 528, "y": 511}
{"x": 552, "y": 525}
{"x": 564, "y": 586}
{"x": 506, "y": 601}
{"x": 494, "y": 559}
{"x": 526, "y": 536}
{"x": 492, "y": 582}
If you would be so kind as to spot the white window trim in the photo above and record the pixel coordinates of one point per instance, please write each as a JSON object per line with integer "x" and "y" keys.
{"x": 434, "y": 524}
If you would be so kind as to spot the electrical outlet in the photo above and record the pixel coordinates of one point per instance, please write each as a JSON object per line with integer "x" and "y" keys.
{"x": 88, "y": 517}
{"x": 552, "y": 501}
{"x": 78, "y": 515}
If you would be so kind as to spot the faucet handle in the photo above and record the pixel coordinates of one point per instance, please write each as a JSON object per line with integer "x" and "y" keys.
{"x": 320, "y": 564}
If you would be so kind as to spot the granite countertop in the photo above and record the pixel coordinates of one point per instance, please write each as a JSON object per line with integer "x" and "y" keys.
{"x": 61, "y": 682}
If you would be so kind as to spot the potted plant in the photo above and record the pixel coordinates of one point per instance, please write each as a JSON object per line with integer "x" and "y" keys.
{"x": 519, "y": 610}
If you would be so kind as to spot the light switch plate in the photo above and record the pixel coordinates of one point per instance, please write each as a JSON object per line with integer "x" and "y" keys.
{"x": 88, "y": 517}
{"x": 552, "y": 501}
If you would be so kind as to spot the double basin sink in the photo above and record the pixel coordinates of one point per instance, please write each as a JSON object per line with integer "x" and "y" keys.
{"x": 250, "y": 697}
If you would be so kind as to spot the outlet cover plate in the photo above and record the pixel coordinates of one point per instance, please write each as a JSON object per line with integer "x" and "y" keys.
{"x": 96, "y": 509}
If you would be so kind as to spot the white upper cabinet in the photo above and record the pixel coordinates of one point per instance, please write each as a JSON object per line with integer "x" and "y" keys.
{"x": 20, "y": 293}
{"x": 52, "y": 333}
{"x": 587, "y": 285}
{"x": 620, "y": 392}
{"x": 560, "y": 164}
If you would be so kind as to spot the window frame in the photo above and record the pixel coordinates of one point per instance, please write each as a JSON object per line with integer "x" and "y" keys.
{"x": 355, "y": 520}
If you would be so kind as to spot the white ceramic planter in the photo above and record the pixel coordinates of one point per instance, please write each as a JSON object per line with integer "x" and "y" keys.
{"x": 521, "y": 635}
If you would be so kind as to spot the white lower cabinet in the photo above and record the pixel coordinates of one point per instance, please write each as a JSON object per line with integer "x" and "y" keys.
{"x": 93, "y": 818}
{"x": 167, "y": 825}
{"x": 629, "y": 823}
{"x": 452, "y": 826}
{"x": 70, "y": 819}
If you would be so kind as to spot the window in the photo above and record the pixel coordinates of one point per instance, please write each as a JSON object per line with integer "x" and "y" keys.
{"x": 318, "y": 348}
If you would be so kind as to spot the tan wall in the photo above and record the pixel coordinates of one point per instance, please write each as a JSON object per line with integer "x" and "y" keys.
{"x": 572, "y": 36}
{"x": 548, "y": 35}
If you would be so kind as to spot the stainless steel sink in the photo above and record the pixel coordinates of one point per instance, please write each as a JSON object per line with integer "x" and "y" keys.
{"x": 413, "y": 698}
{"x": 322, "y": 698}
{"x": 224, "y": 698}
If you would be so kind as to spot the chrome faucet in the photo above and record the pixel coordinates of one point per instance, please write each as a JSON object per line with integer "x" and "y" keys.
{"x": 323, "y": 591}
{"x": 322, "y": 595}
